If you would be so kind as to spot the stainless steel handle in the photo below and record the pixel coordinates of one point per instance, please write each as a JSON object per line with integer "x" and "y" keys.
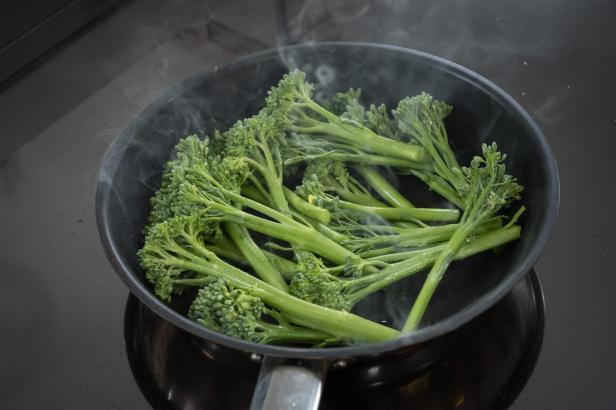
{"x": 283, "y": 385}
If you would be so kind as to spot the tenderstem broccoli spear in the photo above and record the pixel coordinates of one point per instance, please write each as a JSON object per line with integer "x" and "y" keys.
{"x": 225, "y": 248}
{"x": 168, "y": 201}
{"x": 163, "y": 204}
{"x": 255, "y": 142}
{"x": 409, "y": 238}
{"x": 174, "y": 257}
{"x": 221, "y": 307}
{"x": 486, "y": 190}
{"x": 307, "y": 147}
{"x": 316, "y": 283}
{"x": 291, "y": 102}
{"x": 202, "y": 188}
{"x": 421, "y": 117}
{"x": 312, "y": 188}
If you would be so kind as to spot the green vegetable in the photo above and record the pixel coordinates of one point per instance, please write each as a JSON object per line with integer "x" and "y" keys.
{"x": 174, "y": 257}
{"x": 234, "y": 312}
{"x": 225, "y": 248}
{"x": 376, "y": 181}
{"x": 487, "y": 189}
{"x": 202, "y": 188}
{"x": 253, "y": 145}
{"x": 291, "y": 102}
{"x": 315, "y": 283}
{"x": 421, "y": 117}
{"x": 278, "y": 226}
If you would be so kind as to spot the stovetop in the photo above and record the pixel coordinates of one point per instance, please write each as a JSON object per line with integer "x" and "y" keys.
{"x": 62, "y": 307}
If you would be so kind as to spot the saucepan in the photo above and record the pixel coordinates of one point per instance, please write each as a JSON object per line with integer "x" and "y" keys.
{"x": 292, "y": 377}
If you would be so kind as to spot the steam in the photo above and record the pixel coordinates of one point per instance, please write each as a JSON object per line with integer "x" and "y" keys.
{"x": 448, "y": 29}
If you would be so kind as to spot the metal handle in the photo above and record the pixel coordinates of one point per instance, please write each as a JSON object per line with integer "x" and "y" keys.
{"x": 283, "y": 384}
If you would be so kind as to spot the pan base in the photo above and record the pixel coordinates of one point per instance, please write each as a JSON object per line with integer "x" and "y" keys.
{"x": 486, "y": 368}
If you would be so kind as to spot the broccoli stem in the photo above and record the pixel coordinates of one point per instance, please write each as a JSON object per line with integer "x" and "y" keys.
{"x": 286, "y": 228}
{"x": 402, "y": 256}
{"x": 415, "y": 237}
{"x": 295, "y": 233}
{"x": 434, "y": 278}
{"x": 413, "y": 265}
{"x": 438, "y": 185}
{"x": 327, "y": 231}
{"x": 383, "y": 187}
{"x": 418, "y": 237}
{"x": 283, "y": 265}
{"x": 358, "y": 198}
{"x": 314, "y": 212}
{"x": 381, "y": 229}
{"x": 255, "y": 194}
{"x": 292, "y": 334}
{"x": 362, "y": 158}
{"x": 255, "y": 256}
{"x": 362, "y": 138}
{"x": 334, "y": 322}
{"x": 405, "y": 214}
{"x": 225, "y": 248}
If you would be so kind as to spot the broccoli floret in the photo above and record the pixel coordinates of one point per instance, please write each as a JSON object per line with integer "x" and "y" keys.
{"x": 222, "y": 307}
{"x": 256, "y": 141}
{"x": 313, "y": 283}
{"x": 339, "y": 102}
{"x": 376, "y": 118}
{"x": 189, "y": 151}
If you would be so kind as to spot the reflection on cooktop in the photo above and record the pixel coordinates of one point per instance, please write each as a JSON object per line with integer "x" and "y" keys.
{"x": 485, "y": 370}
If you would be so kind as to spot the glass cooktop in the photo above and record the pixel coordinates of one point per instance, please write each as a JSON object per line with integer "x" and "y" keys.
{"x": 63, "y": 343}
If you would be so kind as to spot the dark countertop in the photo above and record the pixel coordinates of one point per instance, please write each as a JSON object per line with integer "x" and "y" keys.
{"x": 61, "y": 305}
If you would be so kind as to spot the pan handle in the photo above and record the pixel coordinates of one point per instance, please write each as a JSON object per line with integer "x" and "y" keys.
{"x": 284, "y": 384}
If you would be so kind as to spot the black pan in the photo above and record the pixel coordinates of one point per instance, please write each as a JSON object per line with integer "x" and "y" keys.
{"x": 483, "y": 112}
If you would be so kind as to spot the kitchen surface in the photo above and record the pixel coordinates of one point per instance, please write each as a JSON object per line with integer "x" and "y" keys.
{"x": 69, "y": 336}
